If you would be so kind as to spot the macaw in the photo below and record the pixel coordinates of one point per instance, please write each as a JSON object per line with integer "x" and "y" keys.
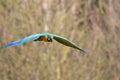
{"x": 47, "y": 37}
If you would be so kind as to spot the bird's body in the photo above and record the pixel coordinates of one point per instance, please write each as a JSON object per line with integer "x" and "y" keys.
{"x": 47, "y": 37}
{"x": 42, "y": 38}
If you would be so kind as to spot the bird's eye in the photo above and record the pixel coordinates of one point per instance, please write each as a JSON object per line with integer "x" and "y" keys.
{"x": 49, "y": 39}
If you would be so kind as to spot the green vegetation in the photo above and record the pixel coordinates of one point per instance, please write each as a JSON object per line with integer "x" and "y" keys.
{"x": 92, "y": 24}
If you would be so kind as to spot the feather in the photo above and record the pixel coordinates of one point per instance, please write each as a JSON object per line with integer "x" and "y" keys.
{"x": 67, "y": 42}
{"x": 26, "y": 39}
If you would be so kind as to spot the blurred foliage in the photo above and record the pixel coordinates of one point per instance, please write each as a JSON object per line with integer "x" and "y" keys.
{"x": 92, "y": 24}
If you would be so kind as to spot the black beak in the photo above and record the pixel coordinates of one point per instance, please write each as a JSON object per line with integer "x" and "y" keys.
{"x": 49, "y": 39}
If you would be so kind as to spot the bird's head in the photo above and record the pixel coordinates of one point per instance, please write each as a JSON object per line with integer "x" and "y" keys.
{"x": 49, "y": 39}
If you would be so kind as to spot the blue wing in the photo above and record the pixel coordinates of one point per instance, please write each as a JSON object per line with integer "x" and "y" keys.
{"x": 26, "y": 39}
{"x": 67, "y": 42}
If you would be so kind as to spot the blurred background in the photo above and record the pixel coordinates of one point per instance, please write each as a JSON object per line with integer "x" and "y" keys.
{"x": 92, "y": 24}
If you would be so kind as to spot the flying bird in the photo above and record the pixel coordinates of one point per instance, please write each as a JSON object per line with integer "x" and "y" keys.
{"x": 47, "y": 37}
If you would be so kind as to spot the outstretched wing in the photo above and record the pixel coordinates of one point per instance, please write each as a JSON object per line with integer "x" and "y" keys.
{"x": 26, "y": 39}
{"x": 67, "y": 42}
